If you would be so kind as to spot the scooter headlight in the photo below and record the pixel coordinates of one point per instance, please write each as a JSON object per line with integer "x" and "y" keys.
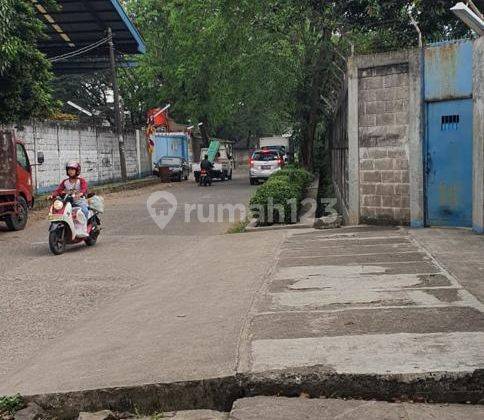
{"x": 58, "y": 205}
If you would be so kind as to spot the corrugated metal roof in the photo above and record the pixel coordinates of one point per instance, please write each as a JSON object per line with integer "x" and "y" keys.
{"x": 80, "y": 23}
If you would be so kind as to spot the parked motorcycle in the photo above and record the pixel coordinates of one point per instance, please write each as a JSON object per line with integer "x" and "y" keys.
{"x": 67, "y": 222}
{"x": 205, "y": 178}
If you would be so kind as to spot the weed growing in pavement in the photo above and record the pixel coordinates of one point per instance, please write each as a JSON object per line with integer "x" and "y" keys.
{"x": 239, "y": 227}
{"x": 10, "y": 404}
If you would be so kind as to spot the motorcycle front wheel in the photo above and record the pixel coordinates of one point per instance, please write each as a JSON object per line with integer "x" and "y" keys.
{"x": 57, "y": 241}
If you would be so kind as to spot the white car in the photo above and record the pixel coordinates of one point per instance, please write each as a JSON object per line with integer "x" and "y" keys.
{"x": 263, "y": 163}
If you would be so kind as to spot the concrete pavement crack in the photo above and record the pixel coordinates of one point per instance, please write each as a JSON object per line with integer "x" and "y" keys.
{"x": 242, "y": 362}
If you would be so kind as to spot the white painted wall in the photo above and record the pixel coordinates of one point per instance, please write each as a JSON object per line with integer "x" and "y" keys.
{"x": 95, "y": 147}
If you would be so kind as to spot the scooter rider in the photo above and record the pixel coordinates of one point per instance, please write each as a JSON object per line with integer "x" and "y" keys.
{"x": 207, "y": 165}
{"x": 76, "y": 186}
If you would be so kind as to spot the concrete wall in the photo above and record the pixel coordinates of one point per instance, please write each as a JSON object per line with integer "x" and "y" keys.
{"x": 385, "y": 139}
{"x": 478, "y": 163}
{"x": 385, "y": 134}
{"x": 95, "y": 147}
{"x": 383, "y": 144}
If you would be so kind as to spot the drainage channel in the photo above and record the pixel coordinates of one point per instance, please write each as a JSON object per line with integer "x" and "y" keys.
{"x": 220, "y": 393}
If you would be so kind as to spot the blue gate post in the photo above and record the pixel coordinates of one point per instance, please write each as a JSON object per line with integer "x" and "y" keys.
{"x": 478, "y": 95}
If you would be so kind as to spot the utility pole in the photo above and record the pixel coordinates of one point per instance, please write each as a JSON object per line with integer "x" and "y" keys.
{"x": 117, "y": 109}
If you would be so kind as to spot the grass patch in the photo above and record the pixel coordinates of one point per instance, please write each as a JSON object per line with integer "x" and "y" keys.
{"x": 11, "y": 404}
{"x": 238, "y": 227}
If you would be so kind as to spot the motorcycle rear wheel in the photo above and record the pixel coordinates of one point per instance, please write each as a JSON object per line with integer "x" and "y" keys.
{"x": 57, "y": 241}
{"x": 92, "y": 239}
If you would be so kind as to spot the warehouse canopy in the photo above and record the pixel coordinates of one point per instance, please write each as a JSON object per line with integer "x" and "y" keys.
{"x": 81, "y": 25}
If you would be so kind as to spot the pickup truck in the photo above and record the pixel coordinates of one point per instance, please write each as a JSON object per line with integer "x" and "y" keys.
{"x": 223, "y": 165}
{"x": 16, "y": 192}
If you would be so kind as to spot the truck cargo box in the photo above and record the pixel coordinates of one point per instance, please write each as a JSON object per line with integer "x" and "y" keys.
{"x": 170, "y": 144}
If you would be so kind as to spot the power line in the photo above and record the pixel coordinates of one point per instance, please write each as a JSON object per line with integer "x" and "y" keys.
{"x": 78, "y": 52}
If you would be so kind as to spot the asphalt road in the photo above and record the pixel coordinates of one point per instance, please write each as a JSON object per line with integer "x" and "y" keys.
{"x": 143, "y": 305}
{"x": 188, "y": 302}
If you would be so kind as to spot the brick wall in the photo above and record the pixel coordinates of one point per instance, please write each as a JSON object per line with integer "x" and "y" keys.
{"x": 95, "y": 147}
{"x": 383, "y": 116}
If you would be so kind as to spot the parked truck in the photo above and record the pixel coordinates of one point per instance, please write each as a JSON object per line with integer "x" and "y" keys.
{"x": 280, "y": 143}
{"x": 169, "y": 145}
{"x": 16, "y": 191}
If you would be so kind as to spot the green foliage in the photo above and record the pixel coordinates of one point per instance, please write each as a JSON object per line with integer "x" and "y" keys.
{"x": 283, "y": 190}
{"x": 89, "y": 91}
{"x": 276, "y": 201}
{"x": 10, "y": 404}
{"x": 376, "y": 26}
{"x": 238, "y": 227}
{"x": 216, "y": 61}
{"x": 297, "y": 176}
{"x": 25, "y": 76}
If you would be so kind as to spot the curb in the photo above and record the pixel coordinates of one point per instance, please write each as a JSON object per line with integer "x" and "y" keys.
{"x": 42, "y": 201}
{"x": 307, "y": 221}
{"x": 252, "y": 226}
{"x": 220, "y": 393}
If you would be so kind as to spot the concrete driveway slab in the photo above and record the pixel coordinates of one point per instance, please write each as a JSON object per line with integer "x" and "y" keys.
{"x": 365, "y": 301}
{"x": 273, "y": 408}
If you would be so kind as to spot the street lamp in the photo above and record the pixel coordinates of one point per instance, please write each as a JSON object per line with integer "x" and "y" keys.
{"x": 470, "y": 16}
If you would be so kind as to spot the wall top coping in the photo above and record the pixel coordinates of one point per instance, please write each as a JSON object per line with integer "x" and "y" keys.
{"x": 382, "y": 59}
{"x": 396, "y": 57}
{"x": 72, "y": 125}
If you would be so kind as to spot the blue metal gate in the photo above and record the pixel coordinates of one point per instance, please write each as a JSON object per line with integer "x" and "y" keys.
{"x": 449, "y": 163}
{"x": 449, "y": 108}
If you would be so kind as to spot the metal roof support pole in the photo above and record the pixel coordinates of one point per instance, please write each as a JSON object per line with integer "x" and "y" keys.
{"x": 117, "y": 108}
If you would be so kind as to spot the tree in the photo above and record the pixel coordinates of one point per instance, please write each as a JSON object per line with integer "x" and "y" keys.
{"x": 90, "y": 91}
{"x": 385, "y": 24}
{"x": 215, "y": 62}
{"x": 25, "y": 73}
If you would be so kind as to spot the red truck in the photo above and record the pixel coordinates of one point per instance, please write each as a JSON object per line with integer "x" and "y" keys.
{"x": 16, "y": 192}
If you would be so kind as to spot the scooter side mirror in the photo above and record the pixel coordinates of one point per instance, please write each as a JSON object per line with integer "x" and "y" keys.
{"x": 40, "y": 158}
{"x": 91, "y": 194}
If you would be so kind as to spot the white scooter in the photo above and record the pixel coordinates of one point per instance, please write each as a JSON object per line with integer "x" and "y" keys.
{"x": 67, "y": 223}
